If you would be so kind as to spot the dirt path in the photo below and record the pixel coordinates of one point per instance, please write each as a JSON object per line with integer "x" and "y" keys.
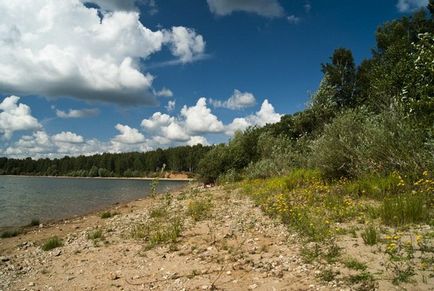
{"x": 233, "y": 246}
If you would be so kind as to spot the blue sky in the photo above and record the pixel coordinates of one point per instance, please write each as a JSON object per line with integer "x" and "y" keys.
{"x": 98, "y": 76}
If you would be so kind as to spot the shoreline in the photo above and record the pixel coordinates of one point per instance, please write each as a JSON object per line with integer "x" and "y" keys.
{"x": 104, "y": 178}
{"x": 94, "y": 212}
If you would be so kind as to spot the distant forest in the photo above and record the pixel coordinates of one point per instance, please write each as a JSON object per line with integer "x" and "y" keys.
{"x": 178, "y": 159}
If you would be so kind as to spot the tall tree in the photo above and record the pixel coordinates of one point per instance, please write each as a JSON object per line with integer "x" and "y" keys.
{"x": 341, "y": 74}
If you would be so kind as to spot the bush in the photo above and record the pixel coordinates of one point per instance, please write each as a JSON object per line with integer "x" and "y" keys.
{"x": 358, "y": 143}
{"x": 52, "y": 243}
{"x": 10, "y": 233}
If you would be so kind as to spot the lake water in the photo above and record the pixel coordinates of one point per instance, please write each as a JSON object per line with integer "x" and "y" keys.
{"x": 25, "y": 198}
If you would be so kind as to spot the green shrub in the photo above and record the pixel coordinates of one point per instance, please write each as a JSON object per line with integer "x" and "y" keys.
{"x": 353, "y": 264}
{"x": 370, "y": 235}
{"x": 10, "y": 233}
{"x": 358, "y": 143}
{"x": 199, "y": 209}
{"x": 403, "y": 209}
{"x": 95, "y": 234}
{"x": 107, "y": 214}
{"x": 52, "y": 243}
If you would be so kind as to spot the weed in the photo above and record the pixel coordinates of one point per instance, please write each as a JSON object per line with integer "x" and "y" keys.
{"x": 107, "y": 214}
{"x": 361, "y": 277}
{"x": 327, "y": 275}
{"x": 10, "y": 233}
{"x": 310, "y": 254}
{"x": 199, "y": 209}
{"x": 95, "y": 234}
{"x": 353, "y": 264}
{"x": 157, "y": 232}
{"x": 52, "y": 243}
{"x": 158, "y": 212}
{"x": 333, "y": 253}
{"x": 402, "y": 275}
{"x": 370, "y": 235}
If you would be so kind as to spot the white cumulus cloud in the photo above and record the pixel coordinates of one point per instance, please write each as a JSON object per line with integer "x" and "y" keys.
{"x": 199, "y": 118}
{"x": 185, "y": 43}
{"x": 238, "y": 100}
{"x": 67, "y": 137}
{"x": 410, "y": 5}
{"x": 15, "y": 117}
{"x": 128, "y": 135}
{"x": 267, "y": 8}
{"x": 265, "y": 115}
{"x": 66, "y": 49}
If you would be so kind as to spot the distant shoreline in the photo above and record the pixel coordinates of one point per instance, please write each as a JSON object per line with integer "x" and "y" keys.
{"x": 105, "y": 178}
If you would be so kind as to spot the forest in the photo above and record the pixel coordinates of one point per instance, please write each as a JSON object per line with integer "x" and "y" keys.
{"x": 376, "y": 117}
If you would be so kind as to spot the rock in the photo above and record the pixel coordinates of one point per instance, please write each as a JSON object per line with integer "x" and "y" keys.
{"x": 4, "y": 259}
{"x": 253, "y": 286}
{"x": 113, "y": 276}
{"x": 31, "y": 284}
{"x": 57, "y": 252}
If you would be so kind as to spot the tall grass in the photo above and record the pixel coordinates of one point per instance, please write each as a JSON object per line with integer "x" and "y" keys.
{"x": 403, "y": 209}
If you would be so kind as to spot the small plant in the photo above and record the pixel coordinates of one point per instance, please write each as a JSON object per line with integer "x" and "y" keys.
{"x": 327, "y": 275}
{"x": 309, "y": 255}
{"x": 107, "y": 214}
{"x": 10, "y": 233}
{"x": 154, "y": 187}
{"x": 362, "y": 277}
{"x": 95, "y": 234}
{"x": 52, "y": 243}
{"x": 156, "y": 232}
{"x": 370, "y": 235}
{"x": 199, "y": 209}
{"x": 158, "y": 212}
{"x": 34, "y": 222}
{"x": 353, "y": 264}
{"x": 333, "y": 253}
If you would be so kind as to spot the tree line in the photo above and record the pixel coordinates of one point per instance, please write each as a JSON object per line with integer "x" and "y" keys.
{"x": 179, "y": 159}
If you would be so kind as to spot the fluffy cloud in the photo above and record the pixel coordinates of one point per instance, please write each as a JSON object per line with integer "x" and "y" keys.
{"x": 238, "y": 100}
{"x": 199, "y": 118}
{"x": 166, "y": 128}
{"x": 128, "y": 135}
{"x": 67, "y": 137}
{"x": 185, "y": 43}
{"x": 267, "y": 8}
{"x": 410, "y": 5}
{"x": 66, "y": 49}
{"x": 77, "y": 113}
{"x": 15, "y": 117}
{"x": 264, "y": 116}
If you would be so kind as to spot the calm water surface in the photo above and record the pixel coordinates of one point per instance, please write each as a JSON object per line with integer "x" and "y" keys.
{"x": 25, "y": 198}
